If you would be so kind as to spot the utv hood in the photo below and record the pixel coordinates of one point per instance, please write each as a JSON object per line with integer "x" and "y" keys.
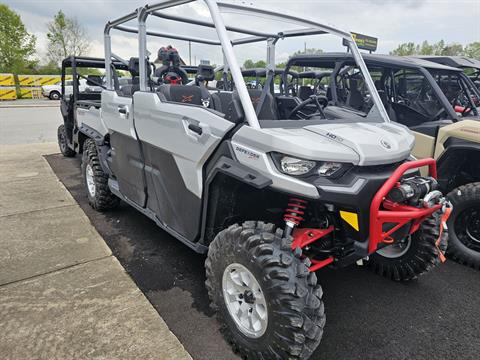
{"x": 356, "y": 143}
{"x": 375, "y": 143}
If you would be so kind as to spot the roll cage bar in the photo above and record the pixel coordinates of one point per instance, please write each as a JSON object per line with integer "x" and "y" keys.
{"x": 336, "y": 61}
{"x": 75, "y": 62}
{"x": 307, "y": 27}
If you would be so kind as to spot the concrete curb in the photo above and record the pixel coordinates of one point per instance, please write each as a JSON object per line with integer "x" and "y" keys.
{"x": 27, "y": 105}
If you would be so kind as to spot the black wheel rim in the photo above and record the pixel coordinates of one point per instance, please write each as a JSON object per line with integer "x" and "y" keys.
{"x": 467, "y": 227}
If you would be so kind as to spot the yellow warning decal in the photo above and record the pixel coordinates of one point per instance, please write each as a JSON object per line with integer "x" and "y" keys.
{"x": 351, "y": 218}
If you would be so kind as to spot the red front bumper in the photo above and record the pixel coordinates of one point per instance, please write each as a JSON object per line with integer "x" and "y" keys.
{"x": 384, "y": 211}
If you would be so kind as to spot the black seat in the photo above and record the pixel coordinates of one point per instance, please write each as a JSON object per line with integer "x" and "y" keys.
{"x": 134, "y": 69}
{"x": 355, "y": 98}
{"x": 185, "y": 94}
{"x": 222, "y": 100}
{"x": 269, "y": 109}
{"x": 304, "y": 92}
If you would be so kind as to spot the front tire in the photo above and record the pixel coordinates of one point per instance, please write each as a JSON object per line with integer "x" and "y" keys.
{"x": 62, "y": 142}
{"x": 268, "y": 303}
{"x": 413, "y": 257}
{"x": 54, "y": 95}
{"x": 96, "y": 181}
{"x": 464, "y": 225}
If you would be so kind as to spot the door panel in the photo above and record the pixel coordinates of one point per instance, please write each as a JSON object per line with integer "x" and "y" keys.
{"x": 126, "y": 160}
{"x": 177, "y": 140}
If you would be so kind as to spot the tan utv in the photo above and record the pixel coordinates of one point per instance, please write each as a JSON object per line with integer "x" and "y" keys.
{"x": 440, "y": 104}
{"x": 456, "y": 147}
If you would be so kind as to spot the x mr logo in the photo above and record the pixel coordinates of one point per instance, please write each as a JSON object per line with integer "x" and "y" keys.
{"x": 187, "y": 99}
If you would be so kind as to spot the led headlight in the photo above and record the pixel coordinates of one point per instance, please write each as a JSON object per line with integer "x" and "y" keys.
{"x": 329, "y": 168}
{"x": 293, "y": 166}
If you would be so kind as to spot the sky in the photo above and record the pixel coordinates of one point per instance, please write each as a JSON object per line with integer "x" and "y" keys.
{"x": 392, "y": 21}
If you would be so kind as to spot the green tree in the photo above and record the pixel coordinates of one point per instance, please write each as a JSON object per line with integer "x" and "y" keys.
{"x": 452, "y": 50}
{"x": 66, "y": 37}
{"x": 248, "y": 64}
{"x": 16, "y": 45}
{"x": 405, "y": 49}
{"x": 472, "y": 50}
{"x": 426, "y": 48}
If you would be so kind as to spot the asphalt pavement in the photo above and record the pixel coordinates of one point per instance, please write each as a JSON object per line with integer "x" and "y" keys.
{"x": 368, "y": 317}
{"x": 23, "y": 122}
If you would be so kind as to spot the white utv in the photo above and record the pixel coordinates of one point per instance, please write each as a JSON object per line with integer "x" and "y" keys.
{"x": 269, "y": 198}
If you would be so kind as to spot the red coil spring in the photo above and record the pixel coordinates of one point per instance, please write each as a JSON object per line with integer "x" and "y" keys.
{"x": 295, "y": 210}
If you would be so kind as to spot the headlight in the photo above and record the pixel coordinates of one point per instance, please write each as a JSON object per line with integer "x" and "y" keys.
{"x": 294, "y": 166}
{"x": 297, "y": 167}
{"x": 329, "y": 168}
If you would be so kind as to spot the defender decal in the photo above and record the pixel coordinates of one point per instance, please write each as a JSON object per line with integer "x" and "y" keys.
{"x": 249, "y": 153}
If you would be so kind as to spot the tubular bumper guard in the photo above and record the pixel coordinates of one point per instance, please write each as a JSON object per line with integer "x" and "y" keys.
{"x": 384, "y": 211}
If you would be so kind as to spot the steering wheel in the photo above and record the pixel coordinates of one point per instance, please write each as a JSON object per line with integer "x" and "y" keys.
{"x": 313, "y": 99}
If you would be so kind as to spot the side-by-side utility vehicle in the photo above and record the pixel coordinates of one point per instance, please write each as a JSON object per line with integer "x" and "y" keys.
{"x": 441, "y": 105}
{"x": 271, "y": 199}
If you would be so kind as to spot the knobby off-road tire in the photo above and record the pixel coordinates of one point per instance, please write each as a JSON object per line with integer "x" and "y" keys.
{"x": 96, "y": 181}
{"x": 418, "y": 256}
{"x": 464, "y": 225}
{"x": 295, "y": 314}
{"x": 62, "y": 142}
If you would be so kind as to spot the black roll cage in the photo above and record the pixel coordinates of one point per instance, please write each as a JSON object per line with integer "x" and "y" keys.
{"x": 339, "y": 60}
{"x": 75, "y": 62}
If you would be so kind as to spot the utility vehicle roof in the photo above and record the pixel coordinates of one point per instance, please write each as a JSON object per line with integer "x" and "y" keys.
{"x": 262, "y": 72}
{"x": 328, "y": 60}
{"x": 453, "y": 61}
{"x": 314, "y": 74}
{"x": 90, "y": 62}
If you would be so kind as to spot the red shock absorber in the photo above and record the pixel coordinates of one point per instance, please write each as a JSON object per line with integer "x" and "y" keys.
{"x": 294, "y": 214}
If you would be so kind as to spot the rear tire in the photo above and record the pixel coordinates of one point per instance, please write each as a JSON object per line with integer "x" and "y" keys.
{"x": 96, "y": 181}
{"x": 293, "y": 314}
{"x": 62, "y": 142}
{"x": 418, "y": 256}
{"x": 464, "y": 225}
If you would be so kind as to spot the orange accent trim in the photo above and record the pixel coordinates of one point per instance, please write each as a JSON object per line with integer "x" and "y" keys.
{"x": 443, "y": 224}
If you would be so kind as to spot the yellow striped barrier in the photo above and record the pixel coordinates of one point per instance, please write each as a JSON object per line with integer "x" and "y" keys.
{"x": 8, "y": 93}
{"x": 7, "y": 80}
{"x": 30, "y": 92}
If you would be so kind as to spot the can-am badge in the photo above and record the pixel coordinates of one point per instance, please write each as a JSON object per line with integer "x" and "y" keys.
{"x": 385, "y": 144}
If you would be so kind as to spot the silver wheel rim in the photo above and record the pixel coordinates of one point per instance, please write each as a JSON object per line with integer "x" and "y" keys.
{"x": 245, "y": 300}
{"x": 90, "y": 180}
{"x": 396, "y": 250}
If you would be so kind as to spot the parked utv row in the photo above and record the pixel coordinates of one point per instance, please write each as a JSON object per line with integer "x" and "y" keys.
{"x": 275, "y": 185}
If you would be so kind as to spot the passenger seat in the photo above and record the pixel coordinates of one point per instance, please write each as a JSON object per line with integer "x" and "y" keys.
{"x": 185, "y": 94}
{"x": 304, "y": 92}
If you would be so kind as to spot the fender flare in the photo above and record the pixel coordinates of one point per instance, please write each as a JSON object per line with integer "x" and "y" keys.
{"x": 225, "y": 163}
{"x": 454, "y": 148}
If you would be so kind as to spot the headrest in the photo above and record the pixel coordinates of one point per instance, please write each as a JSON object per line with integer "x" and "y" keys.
{"x": 206, "y": 71}
{"x": 134, "y": 67}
